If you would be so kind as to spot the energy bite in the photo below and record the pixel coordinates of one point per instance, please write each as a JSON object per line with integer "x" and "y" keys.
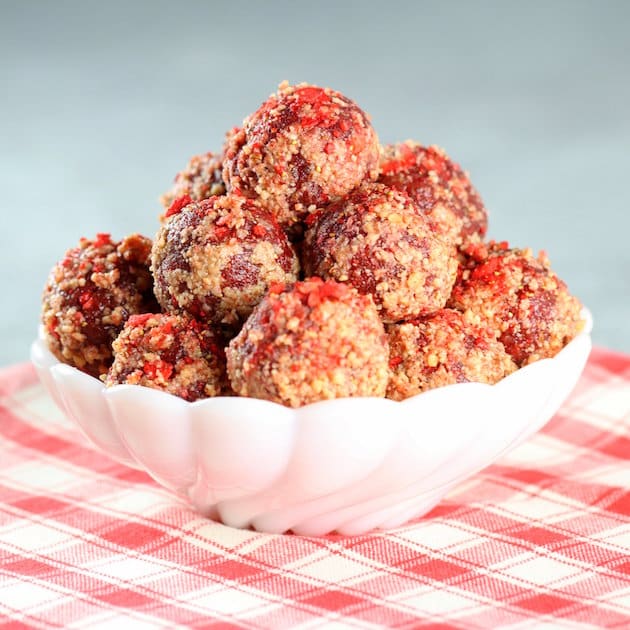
{"x": 439, "y": 186}
{"x": 520, "y": 298}
{"x": 443, "y": 349}
{"x": 377, "y": 240}
{"x": 173, "y": 353}
{"x": 216, "y": 258}
{"x": 202, "y": 178}
{"x": 303, "y": 148}
{"x": 90, "y": 294}
{"x": 310, "y": 341}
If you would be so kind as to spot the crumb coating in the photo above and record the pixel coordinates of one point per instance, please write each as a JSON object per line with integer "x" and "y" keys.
{"x": 173, "y": 353}
{"x": 377, "y": 240}
{"x": 90, "y": 294}
{"x": 303, "y": 148}
{"x": 520, "y": 298}
{"x": 216, "y": 258}
{"x": 201, "y": 178}
{"x": 439, "y": 186}
{"x": 310, "y": 341}
{"x": 443, "y": 349}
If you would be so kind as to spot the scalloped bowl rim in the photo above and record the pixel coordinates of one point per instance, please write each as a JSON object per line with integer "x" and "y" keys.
{"x": 347, "y": 464}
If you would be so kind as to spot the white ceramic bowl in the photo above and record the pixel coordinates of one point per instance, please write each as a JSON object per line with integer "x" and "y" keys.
{"x": 349, "y": 465}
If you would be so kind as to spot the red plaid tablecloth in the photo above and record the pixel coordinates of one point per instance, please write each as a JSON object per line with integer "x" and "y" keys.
{"x": 540, "y": 539}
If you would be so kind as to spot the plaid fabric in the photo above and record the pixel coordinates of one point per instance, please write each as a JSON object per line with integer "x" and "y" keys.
{"x": 540, "y": 539}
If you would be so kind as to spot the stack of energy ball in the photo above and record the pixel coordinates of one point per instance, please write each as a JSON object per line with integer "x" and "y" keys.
{"x": 307, "y": 262}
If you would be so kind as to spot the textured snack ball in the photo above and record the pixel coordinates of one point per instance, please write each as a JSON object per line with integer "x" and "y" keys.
{"x": 216, "y": 258}
{"x": 443, "y": 349}
{"x": 377, "y": 240}
{"x": 439, "y": 186}
{"x": 202, "y": 178}
{"x": 173, "y": 353}
{"x": 310, "y": 341}
{"x": 520, "y": 298}
{"x": 303, "y": 148}
{"x": 89, "y": 296}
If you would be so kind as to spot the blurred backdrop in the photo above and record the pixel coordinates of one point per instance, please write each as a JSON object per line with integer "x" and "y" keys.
{"x": 102, "y": 103}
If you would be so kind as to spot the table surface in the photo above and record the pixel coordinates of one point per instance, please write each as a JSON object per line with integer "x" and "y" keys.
{"x": 104, "y": 102}
{"x": 540, "y": 539}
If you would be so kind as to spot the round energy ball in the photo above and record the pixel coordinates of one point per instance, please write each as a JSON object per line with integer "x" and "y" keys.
{"x": 443, "y": 349}
{"x": 215, "y": 259}
{"x": 520, "y": 298}
{"x": 439, "y": 186}
{"x": 90, "y": 294}
{"x": 303, "y": 148}
{"x": 377, "y": 240}
{"x": 173, "y": 353}
{"x": 310, "y": 341}
{"x": 200, "y": 179}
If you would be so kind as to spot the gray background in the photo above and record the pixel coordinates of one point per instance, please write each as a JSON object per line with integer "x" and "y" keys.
{"x": 101, "y": 104}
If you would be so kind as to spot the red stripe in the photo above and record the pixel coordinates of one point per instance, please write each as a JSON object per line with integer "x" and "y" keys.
{"x": 331, "y": 599}
{"x": 14, "y": 429}
{"x": 19, "y": 625}
{"x": 28, "y": 566}
{"x": 611, "y": 360}
{"x": 39, "y": 504}
{"x": 16, "y": 377}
